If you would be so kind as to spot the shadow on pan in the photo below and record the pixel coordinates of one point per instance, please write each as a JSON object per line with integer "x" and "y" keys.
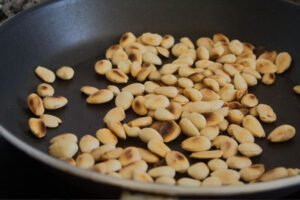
{"x": 77, "y": 32}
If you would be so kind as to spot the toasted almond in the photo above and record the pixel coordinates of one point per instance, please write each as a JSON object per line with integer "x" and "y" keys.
{"x": 111, "y": 50}
{"x": 241, "y": 134}
{"x": 266, "y": 113}
{"x": 269, "y": 55}
{"x": 127, "y": 39}
{"x": 254, "y": 126}
{"x": 51, "y": 121}
{"x": 45, "y": 74}
{"x": 65, "y": 72}
{"x": 63, "y": 149}
{"x": 169, "y": 130}
{"x": 158, "y": 147}
{"x": 138, "y": 106}
{"x": 227, "y": 176}
{"x": 37, "y": 127}
{"x": 98, "y": 152}
{"x": 249, "y": 100}
{"x": 65, "y": 136}
{"x": 128, "y": 171}
{"x": 116, "y": 76}
{"x": 115, "y": 114}
{"x": 88, "y": 90}
{"x": 198, "y": 171}
{"x": 283, "y": 62}
{"x": 162, "y": 171}
{"x": 212, "y": 84}
{"x": 142, "y": 176}
{"x": 207, "y": 154}
{"x": 185, "y": 83}
{"x": 227, "y": 92}
{"x": 118, "y": 56}
{"x": 152, "y": 39}
{"x": 70, "y": 161}
{"x": 105, "y": 136}
{"x": 268, "y": 78}
{"x": 131, "y": 131}
{"x": 135, "y": 68}
{"x": 238, "y": 162}
{"x": 177, "y": 161}
{"x": 250, "y": 79}
{"x": 146, "y": 70}
{"x": 125, "y": 66}
{"x": 101, "y": 96}
{"x": 253, "y": 112}
{"x": 193, "y": 94}
{"x": 197, "y": 119}
{"x": 282, "y": 133}
{"x": 235, "y": 116}
{"x": 45, "y": 90}
{"x": 169, "y": 79}
{"x": 175, "y": 109}
{"x": 202, "y": 53}
{"x": 163, "y": 114}
{"x": 188, "y": 182}
{"x": 124, "y": 100}
{"x": 249, "y": 149}
{"x": 178, "y": 49}
{"x": 35, "y": 104}
{"x": 223, "y": 125}
{"x": 236, "y": 47}
{"x": 252, "y": 173}
{"x": 165, "y": 180}
{"x": 151, "y": 58}
{"x": 163, "y": 51}
{"x": 108, "y": 166}
{"x": 147, "y": 134}
{"x": 205, "y": 42}
{"x": 169, "y": 69}
{"x": 219, "y": 37}
{"x": 117, "y": 128}
{"x": 168, "y": 91}
{"x": 264, "y": 66}
{"x": 180, "y": 99}
{"x": 85, "y": 161}
{"x": 150, "y": 86}
{"x": 196, "y": 144}
{"x": 217, "y": 164}
{"x": 239, "y": 82}
{"x": 209, "y": 95}
{"x": 112, "y": 154}
{"x": 210, "y": 132}
{"x": 196, "y": 77}
{"x": 88, "y": 143}
{"x": 228, "y": 58}
{"x": 213, "y": 118}
{"x": 185, "y": 71}
{"x": 141, "y": 122}
{"x": 273, "y": 174}
{"x": 211, "y": 181}
{"x": 167, "y": 41}
{"x": 129, "y": 155}
{"x": 148, "y": 156}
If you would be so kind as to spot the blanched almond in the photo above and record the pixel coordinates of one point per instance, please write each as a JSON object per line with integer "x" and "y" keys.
{"x": 249, "y": 100}
{"x": 252, "y": 173}
{"x": 188, "y": 127}
{"x": 169, "y": 130}
{"x": 157, "y": 101}
{"x": 117, "y": 128}
{"x": 211, "y": 181}
{"x": 268, "y": 78}
{"x": 273, "y": 174}
{"x": 101, "y": 96}
{"x": 148, "y": 156}
{"x": 135, "y": 68}
{"x": 105, "y": 136}
{"x": 111, "y": 50}
{"x": 196, "y": 144}
{"x": 264, "y": 66}
{"x": 168, "y": 91}
{"x": 128, "y": 171}
{"x": 88, "y": 143}
{"x": 162, "y": 171}
{"x": 131, "y": 131}
{"x": 112, "y": 154}
{"x": 152, "y": 39}
{"x": 213, "y": 118}
{"x": 165, "y": 180}
{"x": 249, "y": 149}
{"x": 65, "y": 136}
{"x": 193, "y": 94}
{"x": 115, "y": 114}
{"x": 254, "y": 126}
{"x": 266, "y": 113}
{"x": 282, "y": 133}
{"x": 163, "y": 114}
{"x": 45, "y": 74}
{"x": 51, "y": 121}
{"x": 210, "y": 132}
{"x": 45, "y": 89}
{"x": 238, "y": 162}
{"x": 124, "y": 100}
{"x": 177, "y": 161}
{"x": 129, "y": 155}
{"x": 227, "y": 176}
{"x": 239, "y": 82}
{"x": 118, "y": 56}
{"x": 85, "y": 161}
{"x": 216, "y": 164}
{"x": 235, "y": 116}
{"x": 197, "y": 119}
{"x": 88, "y": 90}
{"x": 283, "y": 62}
{"x": 63, "y": 149}
{"x": 142, "y": 176}
{"x": 158, "y": 147}
{"x": 167, "y": 41}
{"x": 35, "y": 104}
{"x": 147, "y": 134}
{"x": 37, "y": 127}
{"x": 188, "y": 182}
{"x": 138, "y": 106}
{"x": 198, "y": 171}
{"x": 116, "y": 76}
{"x": 241, "y": 134}
{"x": 98, "y": 152}
{"x": 141, "y": 122}
{"x": 207, "y": 154}
{"x": 108, "y": 166}
{"x": 203, "y": 106}
{"x": 127, "y": 38}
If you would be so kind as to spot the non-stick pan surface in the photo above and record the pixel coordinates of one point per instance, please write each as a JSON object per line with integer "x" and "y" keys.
{"x": 77, "y": 32}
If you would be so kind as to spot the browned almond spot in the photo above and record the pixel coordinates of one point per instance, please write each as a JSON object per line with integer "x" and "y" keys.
{"x": 169, "y": 130}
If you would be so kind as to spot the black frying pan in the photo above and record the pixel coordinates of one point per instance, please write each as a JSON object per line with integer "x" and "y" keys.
{"x": 77, "y": 32}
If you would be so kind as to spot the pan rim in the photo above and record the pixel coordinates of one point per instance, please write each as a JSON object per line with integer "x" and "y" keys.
{"x": 130, "y": 184}
{"x": 147, "y": 187}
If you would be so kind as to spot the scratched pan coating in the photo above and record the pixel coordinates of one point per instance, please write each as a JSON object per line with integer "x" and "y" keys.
{"x": 78, "y": 32}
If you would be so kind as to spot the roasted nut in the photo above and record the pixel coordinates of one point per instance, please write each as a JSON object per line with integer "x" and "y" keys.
{"x": 157, "y": 101}
{"x": 193, "y": 94}
{"x": 253, "y": 125}
{"x": 151, "y": 58}
{"x": 265, "y": 66}
{"x": 252, "y": 173}
{"x": 162, "y": 171}
{"x": 239, "y": 82}
{"x": 238, "y": 162}
{"x": 118, "y": 56}
{"x": 196, "y": 144}
{"x": 296, "y": 89}
{"x": 88, "y": 90}
{"x": 127, "y": 39}
{"x": 249, "y": 100}
{"x": 45, "y": 74}
{"x": 250, "y": 149}
{"x": 128, "y": 171}
{"x": 85, "y": 161}
{"x": 283, "y": 62}
{"x": 88, "y": 143}
{"x": 135, "y": 68}
{"x": 209, "y": 95}
{"x": 98, "y": 152}
{"x": 65, "y": 136}
{"x": 213, "y": 119}
{"x": 35, "y": 104}
{"x": 150, "y": 86}
{"x": 101, "y": 96}
{"x": 211, "y": 84}
{"x": 116, "y": 114}
{"x": 138, "y": 106}
{"x": 147, "y": 134}
{"x": 177, "y": 161}
{"x": 108, "y": 166}
{"x": 117, "y": 128}
{"x": 175, "y": 109}
{"x": 188, "y": 182}
{"x": 65, "y": 73}
{"x": 124, "y": 100}
{"x": 168, "y": 91}
{"x": 235, "y": 116}
{"x": 152, "y": 39}
{"x": 266, "y": 113}
{"x": 211, "y": 181}
{"x": 45, "y": 89}
{"x": 63, "y": 149}
{"x": 198, "y": 171}
{"x": 250, "y": 79}
{"x": 228, "y": 58}
{"x": 165, "y": 180}
{"x": 269, "y": 78}
{"x": 203, "y": 106}
{"x": 70, "y": 161}
{"x": 145, "y": 72}
{"x": 51, "y": 121}
{"x": 210, "y": 132}
{"x": 269, "y": 55}
{"x": 236, "y": 47}
{"x": 273, "y": 174}
{"x": 227, "y": 176}
{"x": 37, "y": 127}
{"x": 105, "y": 136}
{"x": 167, "y": 41}
{"x": 227, "y": 92}
{"x": 180, "y": 99}
{"x": 207, "y": 154}
{"x": 188, "y": 127}
{"x": 169, "y": 79}
{"x": 112, "y": 154}
{"x": 197, "y": 119}
{"x": 169, "y": 69}
{"x": 148, "y": 156}
{"x": 163, "y": 51}
{"x": 169, "y": 130}
{"x": 111, "y": 50}
{"x": 202, "y": 53}
{"x": 131, "y": 131}
{"x": 142, "y": 176}
{"x": 217, "y": 164}
{"x": 158, "y": 147}
{"x": 163, "y": 114}
{"x": 124, "y": 66}
{"x": 129, "y": 155}
{"x": 241, "y": 134}
{"x": 103, "y": 66}
{"x": 116, "y": 76}
{"x": 141, "y": 122}
{"x": 178, "y": 49}
{"x": 282, "y": 133}
{"x": 228, "y": 146}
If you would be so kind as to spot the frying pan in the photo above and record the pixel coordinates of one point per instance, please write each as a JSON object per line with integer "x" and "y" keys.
{"x": 77, "y": 32}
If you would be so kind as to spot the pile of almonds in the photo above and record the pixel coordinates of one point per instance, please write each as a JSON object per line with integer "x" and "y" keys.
{"x": 199, "y": 90}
